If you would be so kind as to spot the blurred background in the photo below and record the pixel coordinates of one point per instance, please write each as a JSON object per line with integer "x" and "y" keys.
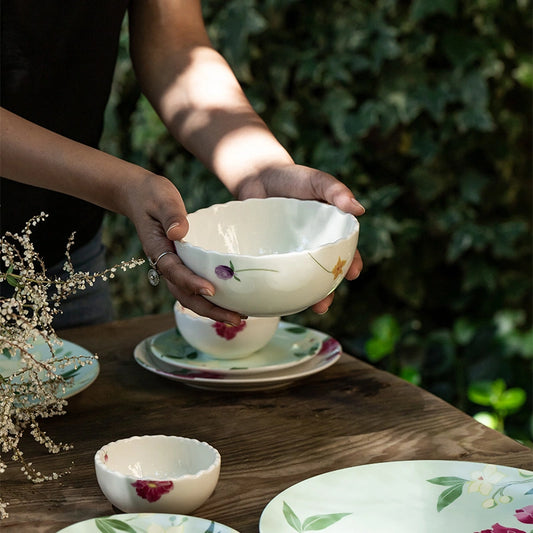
{"x": 423, "y": 108}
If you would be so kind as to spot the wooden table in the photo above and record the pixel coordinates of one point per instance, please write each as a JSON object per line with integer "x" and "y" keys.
{"x": 350, "y": 414}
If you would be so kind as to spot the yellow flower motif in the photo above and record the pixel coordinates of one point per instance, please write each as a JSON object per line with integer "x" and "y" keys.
{"x": 482, "y": 482}
{"x": 337, "y": 269}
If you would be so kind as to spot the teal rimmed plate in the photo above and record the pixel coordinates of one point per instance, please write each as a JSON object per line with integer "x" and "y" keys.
{"x": 291, "y": 345}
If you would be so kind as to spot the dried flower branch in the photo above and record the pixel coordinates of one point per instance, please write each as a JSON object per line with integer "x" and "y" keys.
{"x": 34, "y": 389}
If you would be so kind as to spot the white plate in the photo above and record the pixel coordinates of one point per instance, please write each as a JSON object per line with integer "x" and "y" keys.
{"x": 291, "y": 345}
{"x": 406, "y": 497}
{"x": 329, "y": 353}
{"x": 78, "y": 377}
{"x": 147, "y": 523}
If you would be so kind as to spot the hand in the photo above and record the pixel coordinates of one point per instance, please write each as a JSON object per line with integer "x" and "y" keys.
{"x": 158, "y": 212}
{"x": 297, "y": 181}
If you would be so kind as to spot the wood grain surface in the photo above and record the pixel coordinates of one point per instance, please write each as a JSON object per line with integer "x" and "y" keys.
{"x": 350, "y": 414}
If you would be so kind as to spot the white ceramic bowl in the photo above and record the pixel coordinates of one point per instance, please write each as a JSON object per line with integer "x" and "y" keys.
{"x": 272, "y": 256}
{"x": 157, "y": 473}
{"x": 223, "y": 341}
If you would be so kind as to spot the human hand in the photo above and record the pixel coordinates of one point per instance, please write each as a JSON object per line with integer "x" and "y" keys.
{"x": 305, "y": 183}
{"x": 158, "y": 212}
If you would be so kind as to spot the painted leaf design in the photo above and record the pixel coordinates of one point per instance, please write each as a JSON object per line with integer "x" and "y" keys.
{"x": 111, "y": 525}
{"x": 296, "y": 330}
{"x": 448, "y": 496}
{"x": 291, "y": 517}
{"x": 447, "y": 480}
{"x": 211, "y": 528}
{"x": 530, "y": 491}
{"x": 318, "y": 522}
{"x": 70, "y": 373}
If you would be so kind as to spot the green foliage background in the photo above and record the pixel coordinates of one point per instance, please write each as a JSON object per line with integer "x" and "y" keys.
{"x": 423, "y": 108}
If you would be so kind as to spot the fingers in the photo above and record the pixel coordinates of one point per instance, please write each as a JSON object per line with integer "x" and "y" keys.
{"x": 336, "y": 193}
{"x": 190, "y": 289}
{"x": 323, "y": 306}
{"x": 355, "y": 268}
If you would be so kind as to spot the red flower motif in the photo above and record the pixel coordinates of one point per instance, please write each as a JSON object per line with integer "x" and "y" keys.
{"x": 525, "y": 515}
{"x": 329, "y": 346}
{"x": 227, "y": 330}
{"x": 152, "y": 490}
{"x": 497, "y": 528}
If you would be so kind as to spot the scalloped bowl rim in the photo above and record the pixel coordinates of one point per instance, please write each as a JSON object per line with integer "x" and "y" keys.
{"x": 213, "y": 466}
{"x": 186, "y": 244}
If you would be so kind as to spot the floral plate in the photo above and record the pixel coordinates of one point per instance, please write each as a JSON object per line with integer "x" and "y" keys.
{"x": 78, "y": 377}
{"x": 148, "y": 523}
{"x": 406, "y": 497}
{"x": 329, "y": 352}
{"x": 290, "y": 346}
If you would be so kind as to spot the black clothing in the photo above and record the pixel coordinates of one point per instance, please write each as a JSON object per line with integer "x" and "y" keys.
{"x": 57, "y": 62}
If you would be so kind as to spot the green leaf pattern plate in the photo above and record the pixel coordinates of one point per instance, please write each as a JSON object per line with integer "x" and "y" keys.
{"x": 407, "y": 497}
{"x": 78, "y": 377}
{"x": 148, "y": 523}
{"x": 291, "y": 345}
{"x": 329, "y": 352}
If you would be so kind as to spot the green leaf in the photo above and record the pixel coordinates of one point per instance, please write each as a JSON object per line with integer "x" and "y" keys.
{"x": 110, "y": 525}
{"x": 296, "y": 330}
{"x": 291, "y": 517}
{"x": 69, "y": 373}
{"x": 490, "y": 420}
{"x": 447, "y": 480}
{"x": 424, "y": 8}
{"x": 211, "y": 528}
{"x": 318, "y": 522}
{"x": 510, "y": 400}
{"x": 448, "y": 496}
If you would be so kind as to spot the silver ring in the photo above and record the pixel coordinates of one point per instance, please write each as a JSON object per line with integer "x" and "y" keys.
{"x": 154, "y": 274}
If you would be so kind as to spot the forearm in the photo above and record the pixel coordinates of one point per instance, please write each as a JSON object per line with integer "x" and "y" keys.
{"x": 207, "y": 111}
{"x": 198, "y": 97}
{"x": 36, "y": 156}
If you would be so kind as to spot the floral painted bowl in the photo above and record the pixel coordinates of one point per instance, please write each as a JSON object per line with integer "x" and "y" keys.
{"x": 157, "y": 473}
{"x": 271, "y": 256}
{"x": 221, "y": 340}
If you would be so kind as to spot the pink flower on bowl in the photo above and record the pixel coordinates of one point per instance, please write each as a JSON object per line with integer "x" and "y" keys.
{"x": 152, "y": 490}
{"x": 227, "y": 331}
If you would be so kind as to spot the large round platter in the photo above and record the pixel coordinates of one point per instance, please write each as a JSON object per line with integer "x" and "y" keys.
{"x": 406, "y": 497}
{"x": 148, "y": 522}
{"x": 329, "y": 352}
{"x": 291, "y": 345}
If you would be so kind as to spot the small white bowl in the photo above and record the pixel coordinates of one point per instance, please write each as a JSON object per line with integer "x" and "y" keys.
{"x": 270, "y": 256}
{"x": 223, "y": 341}
{"x": 157, "y": 473}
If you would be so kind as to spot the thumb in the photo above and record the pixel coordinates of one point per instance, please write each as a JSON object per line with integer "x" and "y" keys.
{"x": 176, "y": 228}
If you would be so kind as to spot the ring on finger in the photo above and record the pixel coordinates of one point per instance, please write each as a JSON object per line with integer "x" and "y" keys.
{"x": 154, "y": 275}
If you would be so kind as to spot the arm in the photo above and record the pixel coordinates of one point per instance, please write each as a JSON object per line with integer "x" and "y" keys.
{"x": 202, "y": 104}
{"x": 36, "y": 156}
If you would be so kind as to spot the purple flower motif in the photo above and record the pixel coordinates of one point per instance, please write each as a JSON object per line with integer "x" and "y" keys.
{"x": 224, "y": 272}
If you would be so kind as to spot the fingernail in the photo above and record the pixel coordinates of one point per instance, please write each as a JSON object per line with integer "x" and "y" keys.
{"x": 172, "y": 226}
{"x": 206, "y": 292}
{"x": 357, "y": 204}
{"x": 231, "y": 324}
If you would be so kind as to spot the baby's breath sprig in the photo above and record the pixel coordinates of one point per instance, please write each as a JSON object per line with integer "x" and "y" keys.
{"x": 34, "y": 390}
